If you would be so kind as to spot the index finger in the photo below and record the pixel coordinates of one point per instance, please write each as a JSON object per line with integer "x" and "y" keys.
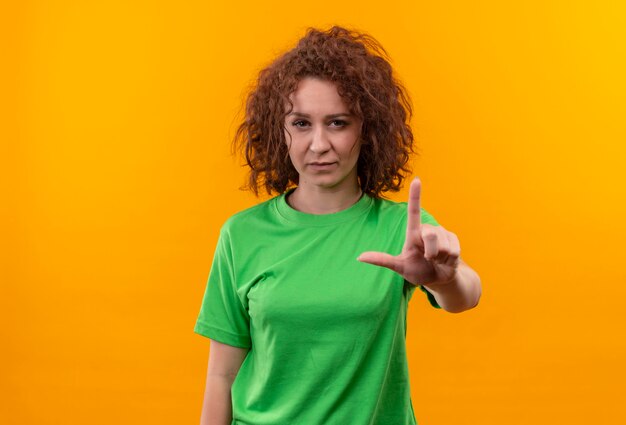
{"x": 414, "y": 212}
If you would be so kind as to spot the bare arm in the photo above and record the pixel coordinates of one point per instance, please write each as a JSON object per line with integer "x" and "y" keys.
{"x": 224, "y": 363}
{"x": 461, "y": 293}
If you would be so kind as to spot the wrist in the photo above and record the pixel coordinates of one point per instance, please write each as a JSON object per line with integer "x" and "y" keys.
{"x": 451, "y": 280}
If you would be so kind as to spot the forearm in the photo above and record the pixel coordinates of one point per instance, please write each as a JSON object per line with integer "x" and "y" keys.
{"x": 461, "y": 293}
{"x": 217, "y": 406}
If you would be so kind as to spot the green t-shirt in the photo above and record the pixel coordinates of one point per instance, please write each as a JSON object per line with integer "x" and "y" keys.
{"x": 326, "y": 332}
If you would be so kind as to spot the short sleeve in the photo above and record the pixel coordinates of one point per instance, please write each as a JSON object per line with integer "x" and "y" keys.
{"x": 426, "y": 218}
{"x": 431, "y": 297}
{"x": 223, "y": 315}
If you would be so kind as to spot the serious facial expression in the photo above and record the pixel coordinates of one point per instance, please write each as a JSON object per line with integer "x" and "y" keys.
{"x": 322, "y": 135}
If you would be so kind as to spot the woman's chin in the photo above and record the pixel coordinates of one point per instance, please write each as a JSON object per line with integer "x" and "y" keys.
{"x": 325, "y": 182}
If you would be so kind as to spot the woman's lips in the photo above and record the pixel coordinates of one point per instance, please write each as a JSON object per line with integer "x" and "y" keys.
{"x": 321, "y": 166}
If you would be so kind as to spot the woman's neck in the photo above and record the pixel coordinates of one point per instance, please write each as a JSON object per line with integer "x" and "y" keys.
{"x": 316, "y": 200}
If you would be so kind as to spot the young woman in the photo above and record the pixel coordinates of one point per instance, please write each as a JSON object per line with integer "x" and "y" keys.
{"x": 306, "y": 301}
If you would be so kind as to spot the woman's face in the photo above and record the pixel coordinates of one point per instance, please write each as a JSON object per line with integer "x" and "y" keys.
{"x": 322, "y": 135}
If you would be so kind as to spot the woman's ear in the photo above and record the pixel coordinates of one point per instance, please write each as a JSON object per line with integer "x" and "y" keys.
{"x": 286, "y": 138}
{"x": 363, "y": 140}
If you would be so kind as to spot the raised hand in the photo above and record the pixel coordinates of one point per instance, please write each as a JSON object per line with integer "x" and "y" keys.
{"x": 430, "y": 254}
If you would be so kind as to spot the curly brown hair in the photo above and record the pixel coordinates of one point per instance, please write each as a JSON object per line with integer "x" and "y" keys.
{"x": 359, "y": 66}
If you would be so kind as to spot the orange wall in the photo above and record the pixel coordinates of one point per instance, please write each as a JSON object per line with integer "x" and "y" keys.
{"x": 117, "y": 175}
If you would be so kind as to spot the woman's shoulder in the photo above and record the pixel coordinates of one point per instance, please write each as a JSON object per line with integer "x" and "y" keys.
{"x": 388, "y": 207}
{"x": 398, "y": 209}
{"x": 250, "y": 218}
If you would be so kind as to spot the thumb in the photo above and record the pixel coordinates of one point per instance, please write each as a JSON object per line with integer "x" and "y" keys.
{"x": 380, "y": 259}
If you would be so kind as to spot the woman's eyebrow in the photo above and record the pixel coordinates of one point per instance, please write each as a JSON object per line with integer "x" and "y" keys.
{"x": 301, "y": 114}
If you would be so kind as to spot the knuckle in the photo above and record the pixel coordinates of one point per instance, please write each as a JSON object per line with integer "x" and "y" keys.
{"x": 429, "y": 234}
{"x": 430, "y": 238}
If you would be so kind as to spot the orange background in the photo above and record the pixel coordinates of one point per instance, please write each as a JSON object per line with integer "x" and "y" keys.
{"x": 117, "y": 174}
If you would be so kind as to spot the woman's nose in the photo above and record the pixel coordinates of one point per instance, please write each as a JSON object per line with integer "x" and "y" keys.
{"x": 319, "y": 142}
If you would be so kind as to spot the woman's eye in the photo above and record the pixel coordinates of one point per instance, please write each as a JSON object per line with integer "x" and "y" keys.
{"x": 299, "y": 123}
{"x": 333, "y": 123}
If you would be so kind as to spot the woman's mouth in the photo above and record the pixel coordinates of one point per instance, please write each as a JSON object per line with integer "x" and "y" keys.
{"x": 321, "y": 166}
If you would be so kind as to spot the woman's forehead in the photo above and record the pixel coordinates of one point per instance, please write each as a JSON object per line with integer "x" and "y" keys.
{"x": 314, "y": 96}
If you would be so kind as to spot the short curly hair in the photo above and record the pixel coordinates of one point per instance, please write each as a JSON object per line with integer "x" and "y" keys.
{"x": 360, "y": 68}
